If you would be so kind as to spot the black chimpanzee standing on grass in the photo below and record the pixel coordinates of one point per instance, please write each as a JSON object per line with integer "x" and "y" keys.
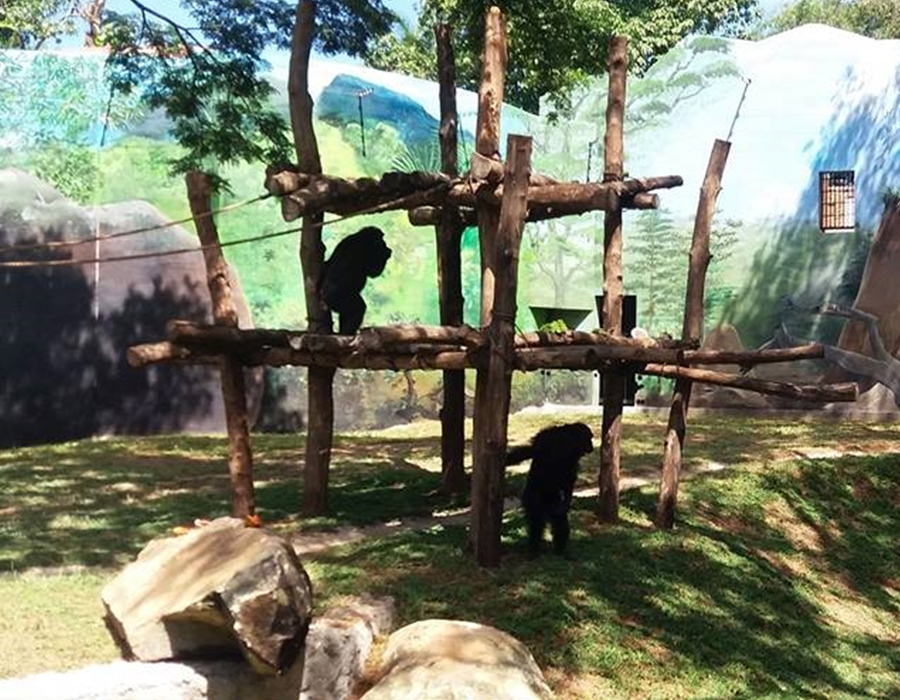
{"x": 358, "y": 256}
{"x": 554, "y": 454}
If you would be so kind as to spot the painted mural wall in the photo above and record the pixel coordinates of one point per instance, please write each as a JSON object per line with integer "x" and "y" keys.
{"x": 75, "y": 159}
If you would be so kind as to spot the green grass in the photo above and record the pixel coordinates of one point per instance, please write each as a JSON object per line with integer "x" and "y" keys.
{"x": 781, "y": 581}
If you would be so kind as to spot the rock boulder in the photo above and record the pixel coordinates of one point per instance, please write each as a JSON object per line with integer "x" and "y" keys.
{"x": 218, "y": 591}
{"x": 456, "y": 660}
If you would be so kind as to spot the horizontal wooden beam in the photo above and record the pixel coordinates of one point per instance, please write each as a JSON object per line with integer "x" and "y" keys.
{"x": 817, "y": 393}
{"x": 749, "y": 358}
{"x": 395, "y": 337}
{"x": 643, "y": 359}
{"x": 321, "y": 193}
{"x": 431, "y": 215}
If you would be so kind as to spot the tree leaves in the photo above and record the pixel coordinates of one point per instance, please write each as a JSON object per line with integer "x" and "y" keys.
{"x": 555, "y": 46}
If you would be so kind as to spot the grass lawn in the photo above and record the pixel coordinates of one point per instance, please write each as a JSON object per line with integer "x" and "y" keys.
{"x": 781, "y": 581}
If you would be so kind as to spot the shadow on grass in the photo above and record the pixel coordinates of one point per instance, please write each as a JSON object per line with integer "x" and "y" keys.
{"x": 98, "y": 503}
{"x": 704, "y": 612}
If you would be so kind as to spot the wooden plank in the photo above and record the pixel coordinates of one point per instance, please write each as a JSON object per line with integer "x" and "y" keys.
{"x": 692, "y": 329}
{"x": 415, "y": 191}
{"x": 231, "y": 372}
{"x": 613, "y": 285}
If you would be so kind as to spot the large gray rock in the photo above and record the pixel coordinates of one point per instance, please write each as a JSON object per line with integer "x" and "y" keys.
{"x": 166, "y": 680}
{"x": 455, "y": 660}
{"x": 66, "y": 334}
{"x": 220, "y": 590}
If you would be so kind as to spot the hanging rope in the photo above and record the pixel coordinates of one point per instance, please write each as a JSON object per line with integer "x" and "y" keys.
{"x": 19, "y": 247}
{"x": 384, "y": 206}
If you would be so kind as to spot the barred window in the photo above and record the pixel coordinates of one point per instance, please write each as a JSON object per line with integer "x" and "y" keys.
{"x": 837, "y": 200}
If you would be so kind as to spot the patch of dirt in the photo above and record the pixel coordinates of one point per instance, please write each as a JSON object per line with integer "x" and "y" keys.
{"x": 583, "y": 686}
{"x": 846, "y": 611}
{"x": 781, "y": 517}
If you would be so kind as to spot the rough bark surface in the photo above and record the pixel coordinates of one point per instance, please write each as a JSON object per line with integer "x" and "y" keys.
{"x": 492, "y": 391}
{"x": 879, "y": 290}
{"x": 487, "y": 144}
{"x": 449, "y": 238}
{"x": 231, "y": 372}
{"x": 320, "y": 380}
{"x": 613, "y": 286}
{"x": 692, "y": 330}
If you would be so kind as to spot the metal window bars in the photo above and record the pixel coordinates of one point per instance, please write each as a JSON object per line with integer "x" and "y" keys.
{"x": 837, "y": 200}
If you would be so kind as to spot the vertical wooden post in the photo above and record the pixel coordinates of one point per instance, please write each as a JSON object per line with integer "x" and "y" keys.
{"x": 320, "y": 380}
{"x": 231, "y": 372}
{"x": 613, "y": 287}
{"x": 487, "y": 143}
{"x": 449, "y": 238}
{"x": 493, "y": 394}
{"x": 691, "y": 330}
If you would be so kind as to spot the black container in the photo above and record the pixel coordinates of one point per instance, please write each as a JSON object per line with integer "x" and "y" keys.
{"x": 629, "y": 321}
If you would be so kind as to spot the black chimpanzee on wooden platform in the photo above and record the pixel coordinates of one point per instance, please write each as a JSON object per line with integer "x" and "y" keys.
{"x": 358, "y": 256}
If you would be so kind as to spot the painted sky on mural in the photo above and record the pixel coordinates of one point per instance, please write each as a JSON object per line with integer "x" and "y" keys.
{"x": 820, "y": 99}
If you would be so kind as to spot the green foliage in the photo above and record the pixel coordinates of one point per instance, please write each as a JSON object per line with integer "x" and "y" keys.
{"x": 28, "y": 24}
{"x": 555, "y": 326}
{"x": 851, "y": 278}
{"x": 56, "y": 99}
{"x": 890, "y": 196}
{"x": 570, "y": 37}
{"x": 405, "y": 51}
{"x": 676, "y": 78}
{"x": 70, "y": 169}
{"x": 208, "y": 78}
{"x": 879, "y": 19}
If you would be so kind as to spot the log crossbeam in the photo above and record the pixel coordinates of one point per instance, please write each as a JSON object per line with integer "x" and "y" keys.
{"x": 303, "y": 194}
{"x": 407, "y": 347}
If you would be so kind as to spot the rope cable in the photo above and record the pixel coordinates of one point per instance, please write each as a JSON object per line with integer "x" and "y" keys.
{"x": 50, "y": 245}
{"x": 384, "y": 206}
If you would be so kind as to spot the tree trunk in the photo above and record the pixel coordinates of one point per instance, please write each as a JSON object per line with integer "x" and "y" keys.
{"x": 493, "y": 391}
{"x": 692, "y": 331}
{"x": 320, "y": 380}
{"x": 879, "y": 290}
{"x": 231, "y": 371}
{"x": 449, "y": 238}
{"x": 487, "y": 143}
{"x": 613, "y": 286}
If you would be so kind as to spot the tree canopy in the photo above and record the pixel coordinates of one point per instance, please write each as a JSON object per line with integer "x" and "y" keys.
{"x": 209, "y": 77}
{"x": 28, "y": 24}
{"x": 554, "y": 46}
{"x": 206, "y": 74}
{"x": 879, "y": 19}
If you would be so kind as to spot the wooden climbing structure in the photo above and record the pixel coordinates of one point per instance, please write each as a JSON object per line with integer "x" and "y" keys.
{"x": 499, "y": 197}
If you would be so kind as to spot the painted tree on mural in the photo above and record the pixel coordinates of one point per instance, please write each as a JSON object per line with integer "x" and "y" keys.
{"x": 53, "y": 113}
{"x": 720, "y": 291}
{"x": 657, "y": 270}
{"x": 572, "y": 149}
